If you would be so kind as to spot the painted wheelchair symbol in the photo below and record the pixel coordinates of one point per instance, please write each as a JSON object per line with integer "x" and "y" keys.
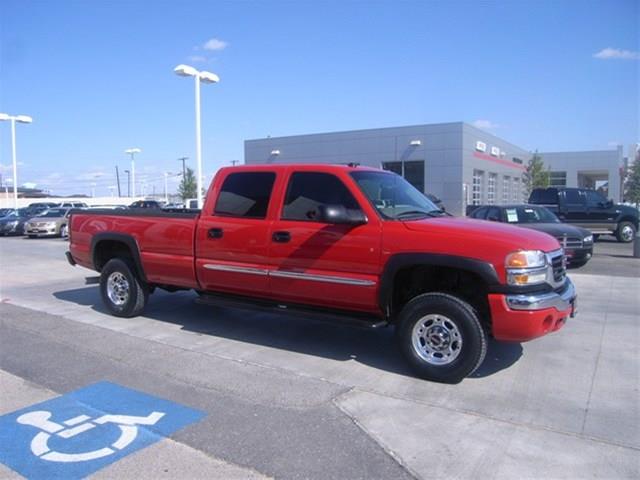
{"x": 80, "y": 424}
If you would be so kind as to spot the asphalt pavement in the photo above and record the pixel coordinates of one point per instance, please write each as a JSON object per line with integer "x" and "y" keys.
{"x": 291, "y": 398}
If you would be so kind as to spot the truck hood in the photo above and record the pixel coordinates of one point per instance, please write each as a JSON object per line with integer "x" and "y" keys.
{"x": 557, "y": 229}
{"x": 482, "y": 233}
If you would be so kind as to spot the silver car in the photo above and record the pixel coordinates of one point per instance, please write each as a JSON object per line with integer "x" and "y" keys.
{"x": 51, "y": 223}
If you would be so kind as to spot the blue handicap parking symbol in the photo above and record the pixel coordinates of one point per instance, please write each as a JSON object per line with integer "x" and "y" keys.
{"x": 74, "y": 435}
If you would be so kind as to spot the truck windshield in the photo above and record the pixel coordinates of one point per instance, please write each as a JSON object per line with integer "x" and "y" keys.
{"x": 394, "y": 197}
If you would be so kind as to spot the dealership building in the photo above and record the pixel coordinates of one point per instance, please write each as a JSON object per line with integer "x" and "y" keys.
{"x": 457, "y": 162}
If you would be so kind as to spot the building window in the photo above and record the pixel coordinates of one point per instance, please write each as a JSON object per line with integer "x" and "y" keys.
{"x": 413, "y": 171}
{"x": 491, "y": 188}
{"x": 558, "y": 179}
{"x": 515, "y": 191}
{"x": 476, "y": 191}
{"x": 506, "y": 184}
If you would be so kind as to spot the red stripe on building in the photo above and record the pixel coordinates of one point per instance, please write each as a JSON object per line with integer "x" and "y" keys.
{"x": 484, "y": 156}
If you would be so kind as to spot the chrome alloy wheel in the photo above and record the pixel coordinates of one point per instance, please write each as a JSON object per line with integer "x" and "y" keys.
{"x": 627, "y": 233}
{"x": 436, "y": 339}
{"x": 118, "y": 288}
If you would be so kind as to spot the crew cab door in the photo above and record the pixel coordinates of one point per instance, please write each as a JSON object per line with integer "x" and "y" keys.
{"x": 328, "y": 265}
{"x": 573, "y": 208}
{"x": 601, "y": 213}
{"x": 233, "y": 234}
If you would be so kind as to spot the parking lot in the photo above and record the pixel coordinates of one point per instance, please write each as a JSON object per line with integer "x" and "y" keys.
{"x": 290, "y": 398}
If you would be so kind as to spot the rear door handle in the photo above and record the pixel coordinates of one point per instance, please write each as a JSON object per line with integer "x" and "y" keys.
{"x": 281, "y": 237}
{"x": 215, "y": 233}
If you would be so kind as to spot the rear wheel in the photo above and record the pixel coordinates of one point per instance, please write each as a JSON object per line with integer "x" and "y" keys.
{"x": 626, "y": 231}
{"x": 441, "y": 337}
{"x": 123, "y": 293}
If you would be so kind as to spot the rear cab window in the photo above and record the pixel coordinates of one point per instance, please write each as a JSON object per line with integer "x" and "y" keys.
{"x": 245, "y": 195}
{"x": 547, "y": 196}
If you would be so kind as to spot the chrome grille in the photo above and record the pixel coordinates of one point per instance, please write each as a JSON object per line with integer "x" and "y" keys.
{"x": 558, "y": 265}
{"x": 570, "y": 242}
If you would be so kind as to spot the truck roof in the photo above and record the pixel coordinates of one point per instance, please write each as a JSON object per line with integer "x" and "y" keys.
{"x": 318, "y": 167}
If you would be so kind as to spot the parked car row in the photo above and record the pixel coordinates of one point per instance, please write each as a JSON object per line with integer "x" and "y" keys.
{"x": 51, "y": 222}
{"x": 48, "y": 219}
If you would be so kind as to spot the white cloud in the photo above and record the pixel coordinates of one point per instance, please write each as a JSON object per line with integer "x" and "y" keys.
{"x": 9, "y": 167}
{"x": 485, "y": 124}
{"x": 89, "y": 175}
{"x": 616, "y": 54}
{"x": 197, "y": 58}
{"x": 215, "y": 44}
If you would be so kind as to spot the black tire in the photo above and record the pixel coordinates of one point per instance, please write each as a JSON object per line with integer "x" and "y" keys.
{"x": 623, "y": 228}
{"x": 134, "y": 296}
{"x": 473, "y": 339}
{"x": 596, "y": 236}
{"x": 32, "y": 236}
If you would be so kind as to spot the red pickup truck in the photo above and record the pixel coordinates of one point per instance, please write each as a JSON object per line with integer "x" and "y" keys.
{"x": 350, "y": 243}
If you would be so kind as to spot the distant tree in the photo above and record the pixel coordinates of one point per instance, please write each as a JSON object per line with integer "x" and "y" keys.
{"x": 188, "y": 186}
{"x": 632, "y": 184}
{"x": 536, "y": 175}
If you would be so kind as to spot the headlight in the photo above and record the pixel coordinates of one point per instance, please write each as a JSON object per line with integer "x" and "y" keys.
{"x": 12, "y": 224}
{"x": 526, "y": 267}
{"x": 588, "y": 239}
{"x": 50, "y": 224}
{"x": 526, "y": 259}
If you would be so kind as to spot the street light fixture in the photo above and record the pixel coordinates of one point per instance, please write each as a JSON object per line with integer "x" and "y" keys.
{"x": 132, "y": 152}
{"x": 204, "y": 77}
{"x": 13, "y": 119}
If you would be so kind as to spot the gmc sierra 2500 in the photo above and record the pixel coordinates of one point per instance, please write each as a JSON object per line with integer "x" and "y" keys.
{"x": 353, "y": 243}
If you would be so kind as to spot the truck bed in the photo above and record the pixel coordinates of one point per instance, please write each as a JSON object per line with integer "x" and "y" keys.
{"x": 165, "y": 240}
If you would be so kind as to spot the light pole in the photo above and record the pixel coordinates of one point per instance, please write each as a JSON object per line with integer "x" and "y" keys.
{"x": 184, "y": 167}
{"x": 13, "y": 119}
{"x": 205, "y": 77}
{"x": 132, "y": 152}
{"x": 128, "y": 183}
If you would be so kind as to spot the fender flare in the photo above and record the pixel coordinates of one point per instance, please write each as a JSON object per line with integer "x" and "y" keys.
{"x": 125, "y": 239}
{"x": 397, "y": 262}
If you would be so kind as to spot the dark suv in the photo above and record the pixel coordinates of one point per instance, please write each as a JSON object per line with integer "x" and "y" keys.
{"x": 589, "y": 209}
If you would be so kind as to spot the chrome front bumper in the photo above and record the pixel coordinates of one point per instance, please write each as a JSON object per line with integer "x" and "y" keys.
{"x": 560, "y": 301}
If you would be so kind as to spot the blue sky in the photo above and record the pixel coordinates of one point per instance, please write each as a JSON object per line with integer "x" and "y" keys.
{"x": 97, "y": 77}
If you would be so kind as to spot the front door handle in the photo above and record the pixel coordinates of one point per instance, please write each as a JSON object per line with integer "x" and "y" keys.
{"x": 281, "y": 237}
{"x": 215, "y": 233}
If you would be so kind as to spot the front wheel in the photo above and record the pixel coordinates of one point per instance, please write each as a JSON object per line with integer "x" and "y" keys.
{"x": 123, "y": 293}
{"x": 441, "y": 337}
{"x": 626, "y": 231}
{"x": 64, "y": 231}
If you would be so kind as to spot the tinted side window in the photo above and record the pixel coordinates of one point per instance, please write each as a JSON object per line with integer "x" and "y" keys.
{"x": 494, "y": 214}
{"x": 308, "y": 190}
{"x": 594, "y": 199}
{"x": 547, "y": 196}
{"x": 245, "y": 194}
{"x": 573, "y": 197}
{"x": 480, "y": 213}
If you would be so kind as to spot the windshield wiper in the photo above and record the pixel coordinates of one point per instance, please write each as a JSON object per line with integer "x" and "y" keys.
{"x": 411, "y": 213}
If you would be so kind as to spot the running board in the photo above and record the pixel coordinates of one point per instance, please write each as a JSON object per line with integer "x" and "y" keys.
{"x": 315, "y": 314}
